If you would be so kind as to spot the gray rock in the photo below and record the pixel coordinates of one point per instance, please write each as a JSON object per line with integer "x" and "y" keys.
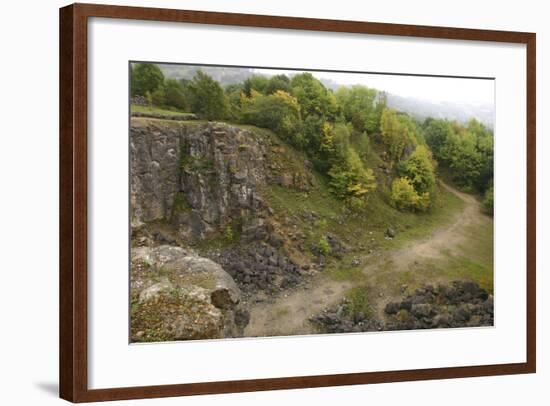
{"x": 390, "y": 232}
{"x": 204, "y": 295}
{"x": 421, "y": 310}
{"x": 179, "y": 175}
{"x": 155, "y": 290}
{"x": 392, "y": 307}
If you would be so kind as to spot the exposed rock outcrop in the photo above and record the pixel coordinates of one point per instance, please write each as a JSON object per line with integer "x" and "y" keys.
{"x": 202, "y": 178}
{"x": 177, "y": 295}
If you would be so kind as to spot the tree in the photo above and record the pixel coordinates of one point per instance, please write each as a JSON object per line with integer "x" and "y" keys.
{"x": 279, "y": 112}
{"x": 405, "y": 197}
{"x": 313, "y": 97}
{"x": 278, "y": 82}
{"x": 258, "y": 83}
{"x": 174, "y": 94}
{"x": 419, "y": 169}
{"x": 233, "y": 97}
{"x": 334, "y": 145}
{"x": 207, "y": 97}
{"x": 351, "y": 181}
{"x": 145, "y": 77}
{"x": 437, "y": 132}
{"x": 358, "y": 105}
{"x": 462, "y": 156}
{"x": 396, "y": 132}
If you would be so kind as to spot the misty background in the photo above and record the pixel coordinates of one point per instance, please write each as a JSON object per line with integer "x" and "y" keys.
{"x": 421, "y": 96}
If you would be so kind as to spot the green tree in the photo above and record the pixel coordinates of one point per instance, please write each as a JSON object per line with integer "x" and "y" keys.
{"x": 233, "y": 95}
{"x": 313, "y": 97}
{"x": 278, "y": 82}
{"x": 462, "y": 156}
{"x": 174, "y": 94}
{"x": 358, "y": 105}
{"x": 396, "y": 131}
{"x": 419, "y": 169}
{"x": 350, "y": 180}
{"x": 405, "y": 197}
{"x": 437, "y": 132}
{"x": 145, "y": 77}
{"x": 207, "y": 97}
{"x": 258, "y": 83}
{"x": 279, "y": 112}
{"x": 335, "y": 143}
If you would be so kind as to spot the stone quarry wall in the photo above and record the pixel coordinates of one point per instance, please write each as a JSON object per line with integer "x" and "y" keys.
{"x": 200, "y": 177}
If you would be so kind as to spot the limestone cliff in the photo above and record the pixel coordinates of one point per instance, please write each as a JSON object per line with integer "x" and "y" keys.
{"x": 199, "y": 177}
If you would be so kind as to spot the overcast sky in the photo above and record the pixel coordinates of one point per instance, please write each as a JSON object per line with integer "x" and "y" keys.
{"x": 428, "y": 88}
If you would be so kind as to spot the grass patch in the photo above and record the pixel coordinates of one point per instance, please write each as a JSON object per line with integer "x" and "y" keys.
{"x": 340, "y": 272}
{"x": 358, "y": 302}
{"x": 136, "y": 108}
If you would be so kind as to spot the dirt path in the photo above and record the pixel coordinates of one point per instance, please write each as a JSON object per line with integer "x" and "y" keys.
{"x": 289, "y": 314}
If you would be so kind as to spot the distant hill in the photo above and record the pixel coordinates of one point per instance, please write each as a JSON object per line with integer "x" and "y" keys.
{"x": 225, "y": 76}
{"x": 459, "y": 111}
{"x": 418, "y": 108}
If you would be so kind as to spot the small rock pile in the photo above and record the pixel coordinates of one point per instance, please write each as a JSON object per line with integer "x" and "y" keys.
{"x": 339, "y": 319}
{"x": 260, "y": 267}
{"x": 460, "y": 304}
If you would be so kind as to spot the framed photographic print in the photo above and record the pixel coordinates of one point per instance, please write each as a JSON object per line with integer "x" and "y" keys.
{"x": 256, "y": 202}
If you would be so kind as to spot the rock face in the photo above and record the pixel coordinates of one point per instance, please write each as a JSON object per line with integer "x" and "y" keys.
{"x": 460, "y": 304}
{"x": 177, "y": 295}
{"x": 202, "y": 178}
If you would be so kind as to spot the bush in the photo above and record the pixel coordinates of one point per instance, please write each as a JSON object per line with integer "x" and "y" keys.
{"x": 358, "y": 302}
{"x": 405, "y": 197}
{"x": 323, "y": 247}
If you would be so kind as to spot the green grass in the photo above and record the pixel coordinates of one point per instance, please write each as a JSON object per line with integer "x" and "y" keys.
{"x": 136, "y": 108}
{"x": 358, "y": 302}
{"x": 340, "y": 272}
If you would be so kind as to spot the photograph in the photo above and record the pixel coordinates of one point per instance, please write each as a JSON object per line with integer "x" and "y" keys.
{"x": 279, "y": 202}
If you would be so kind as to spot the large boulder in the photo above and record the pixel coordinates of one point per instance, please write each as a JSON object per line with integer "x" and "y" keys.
{"x": 177, "y": 295}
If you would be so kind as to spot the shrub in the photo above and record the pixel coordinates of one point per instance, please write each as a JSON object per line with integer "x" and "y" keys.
{"x": 405, "y": 197}
{"x": 323, "y": 246}
{"x": 358, "y": 302}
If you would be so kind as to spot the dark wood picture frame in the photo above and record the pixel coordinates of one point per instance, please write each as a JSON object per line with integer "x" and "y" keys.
{"x": 73, "y": 201}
